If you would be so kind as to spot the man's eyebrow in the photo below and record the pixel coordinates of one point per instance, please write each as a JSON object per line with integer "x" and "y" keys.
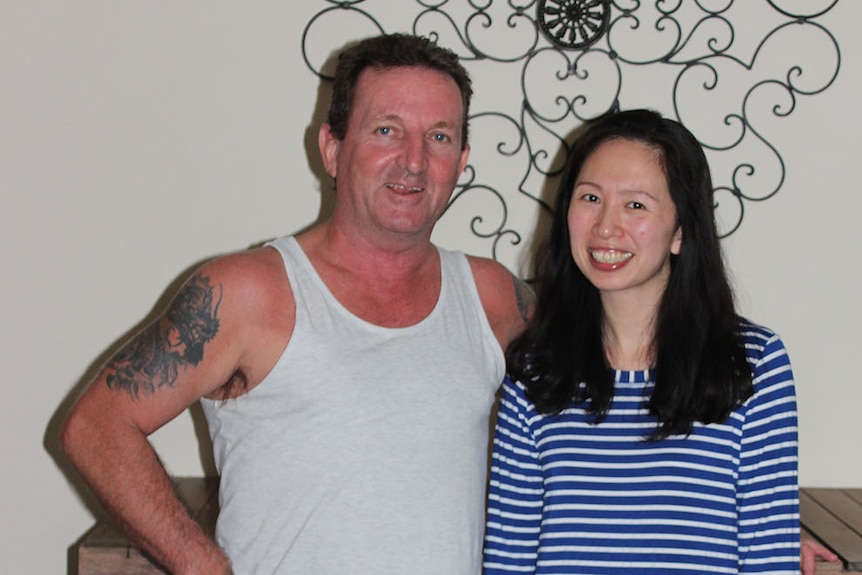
{"x": 446, "y": 125}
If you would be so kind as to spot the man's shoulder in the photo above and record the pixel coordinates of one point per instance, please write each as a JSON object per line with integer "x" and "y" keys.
{"x": 489, "y": 272}
{"x": 256, "y": 275}
{"x": 257, "y": 261}
{"x": 508, "y": 300}
{"x": 494, "y": 277}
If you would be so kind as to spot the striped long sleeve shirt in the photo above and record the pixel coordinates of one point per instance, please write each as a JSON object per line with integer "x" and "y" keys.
{"x": 568, "y": 495}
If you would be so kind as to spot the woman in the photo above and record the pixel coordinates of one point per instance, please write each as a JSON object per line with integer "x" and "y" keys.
{"x": 646, "y": 428}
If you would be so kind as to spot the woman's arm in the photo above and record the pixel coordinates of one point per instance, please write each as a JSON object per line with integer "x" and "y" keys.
{"x": 515, "y": 492}
{"x": 768, "y": 491}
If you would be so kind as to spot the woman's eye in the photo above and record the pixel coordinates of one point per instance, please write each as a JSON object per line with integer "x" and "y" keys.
{"x": 636, "y": 205}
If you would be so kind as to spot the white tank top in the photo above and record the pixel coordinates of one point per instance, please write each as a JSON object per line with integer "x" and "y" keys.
{"x": 364, "y": 450}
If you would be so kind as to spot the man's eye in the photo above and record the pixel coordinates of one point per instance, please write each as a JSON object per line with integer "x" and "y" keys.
{"x": 441, "y": 138}
{"x": 636, "y": 205}
{"x": 385, "y": 130}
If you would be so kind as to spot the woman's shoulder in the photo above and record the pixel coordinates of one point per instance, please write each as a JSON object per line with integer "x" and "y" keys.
{"x": 513, "y": 393}
{"x": 757, "y": 337}
{"x": 513, "y": 386}
{"x": 768, "y": 357}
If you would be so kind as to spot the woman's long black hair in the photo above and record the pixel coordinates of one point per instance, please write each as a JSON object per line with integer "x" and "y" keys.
{"x": 700, "y": 364}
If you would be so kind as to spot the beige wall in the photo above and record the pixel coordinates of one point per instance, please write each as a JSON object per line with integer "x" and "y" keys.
{"x": 137, "y": 139}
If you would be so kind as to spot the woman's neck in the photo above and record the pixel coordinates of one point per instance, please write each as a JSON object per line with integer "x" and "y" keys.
{"x": 629, "y": 332}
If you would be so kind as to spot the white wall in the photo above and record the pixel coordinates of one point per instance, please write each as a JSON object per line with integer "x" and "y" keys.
{"x": 137, "y": 139}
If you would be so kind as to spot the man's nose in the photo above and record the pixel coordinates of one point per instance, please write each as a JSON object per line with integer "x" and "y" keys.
{"x": 415, "y": 154}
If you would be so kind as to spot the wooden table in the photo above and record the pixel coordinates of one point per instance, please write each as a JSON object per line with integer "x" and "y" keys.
{"x": 832, "y": 516}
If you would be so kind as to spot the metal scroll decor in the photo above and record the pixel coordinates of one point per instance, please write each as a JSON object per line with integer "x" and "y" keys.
{"x": 730, "y": 71}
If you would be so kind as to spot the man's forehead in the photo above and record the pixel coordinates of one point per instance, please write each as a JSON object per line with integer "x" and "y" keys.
{"x": 382, "y": 91}
{"x": 373, "y": 75}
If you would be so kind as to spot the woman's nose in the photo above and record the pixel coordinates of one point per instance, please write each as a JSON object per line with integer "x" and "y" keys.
{"x": 608, "y": 222}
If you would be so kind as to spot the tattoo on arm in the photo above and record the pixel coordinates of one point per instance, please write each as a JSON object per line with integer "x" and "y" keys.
{"x": 153, "y": 358}
{"x": 525, "y": 298}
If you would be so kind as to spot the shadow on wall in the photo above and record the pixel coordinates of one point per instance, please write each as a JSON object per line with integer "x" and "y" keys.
{"x": 51, "y": 441}
{"x": 55, "y": 423}
{"x": 205, "y": 452}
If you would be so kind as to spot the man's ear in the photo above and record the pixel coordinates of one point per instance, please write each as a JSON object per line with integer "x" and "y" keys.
{"x": 465, "y": 155}
{"x": 329, "y": 145}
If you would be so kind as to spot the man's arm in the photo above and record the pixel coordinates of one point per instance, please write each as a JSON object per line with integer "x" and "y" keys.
{"x": 194, "y": 349}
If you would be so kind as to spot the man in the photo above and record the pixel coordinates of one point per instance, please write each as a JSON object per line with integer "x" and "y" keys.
{"x": 346, "y": 374}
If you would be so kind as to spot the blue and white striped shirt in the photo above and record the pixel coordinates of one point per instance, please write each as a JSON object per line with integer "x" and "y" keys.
{"x": 570, "y": 496}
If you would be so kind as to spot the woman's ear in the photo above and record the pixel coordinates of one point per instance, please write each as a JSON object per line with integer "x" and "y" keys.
{"x": 677, "y": 241}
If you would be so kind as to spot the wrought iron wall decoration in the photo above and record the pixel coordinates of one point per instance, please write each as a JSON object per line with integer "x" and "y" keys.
{"x": 727, "y": 70}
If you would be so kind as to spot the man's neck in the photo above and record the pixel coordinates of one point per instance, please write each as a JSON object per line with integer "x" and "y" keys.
{"x": 387, "y": 257}
{"x": 385, "y": 286}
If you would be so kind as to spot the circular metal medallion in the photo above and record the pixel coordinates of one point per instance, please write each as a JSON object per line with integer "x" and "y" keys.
{"x": 573, "y": 23}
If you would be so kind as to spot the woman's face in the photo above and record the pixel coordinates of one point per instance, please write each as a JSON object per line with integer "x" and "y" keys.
{"x": 622, "y": 221}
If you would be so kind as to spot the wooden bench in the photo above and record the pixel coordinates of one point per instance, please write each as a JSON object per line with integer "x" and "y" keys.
{"x": 832, "y": 516}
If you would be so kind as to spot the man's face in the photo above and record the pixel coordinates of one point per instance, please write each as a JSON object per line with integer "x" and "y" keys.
{"x": 401, "y": 157}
